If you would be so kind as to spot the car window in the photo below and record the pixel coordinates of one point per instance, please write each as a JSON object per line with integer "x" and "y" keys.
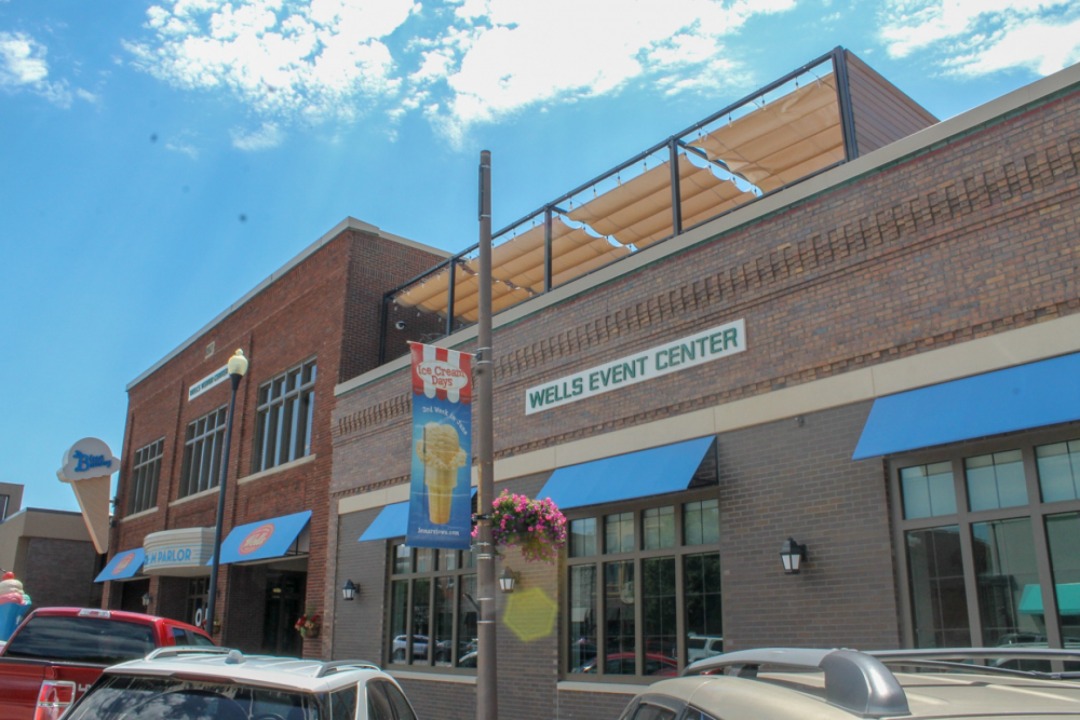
{"x": 186, "y": 637}
{"x": 645, "y": 711}
{"x": 379, "y": 707}
{"x": 120, "y": 697}
{"x": 343, "y": 704}
{"x": 695, "y": 714}
{"x": 81, "y": 639}
{"x": 402, "y": 709}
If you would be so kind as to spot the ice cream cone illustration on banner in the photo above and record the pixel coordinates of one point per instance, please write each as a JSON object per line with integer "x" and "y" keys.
{"x": 440, "y": 500}
{"x": 440, "y": 451}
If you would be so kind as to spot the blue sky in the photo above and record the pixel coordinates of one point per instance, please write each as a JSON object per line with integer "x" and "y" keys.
{"x": 160, "y": 159}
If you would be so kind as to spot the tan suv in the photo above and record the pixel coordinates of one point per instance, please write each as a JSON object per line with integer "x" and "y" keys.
{"x": 808, "y": 684}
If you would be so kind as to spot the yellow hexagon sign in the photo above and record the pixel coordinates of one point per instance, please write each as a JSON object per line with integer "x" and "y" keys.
{"x": 530, "y": 614}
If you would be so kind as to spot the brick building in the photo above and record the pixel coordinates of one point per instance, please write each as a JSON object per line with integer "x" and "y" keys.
{"x": 304, "y": 329}
{"x": 901, "y": 398}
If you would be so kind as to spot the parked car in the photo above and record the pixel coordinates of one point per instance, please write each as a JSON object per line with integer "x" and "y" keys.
{"x": 796, "y": 684}
{"x": 57, "y": 652}
{"x": 699, "y": 647}
{"x": 399, "y": 648}
{"x": 196, "y": 683}
{"x": 625, "y": 663}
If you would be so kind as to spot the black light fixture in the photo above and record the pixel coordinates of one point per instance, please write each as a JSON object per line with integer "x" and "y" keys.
{"x": 146, "y": 599}
{"x": 236, "y": 367}
{"x": 349, "y": 590}
{"x": 793, "y": 554}
{"x": 507, "y": 580}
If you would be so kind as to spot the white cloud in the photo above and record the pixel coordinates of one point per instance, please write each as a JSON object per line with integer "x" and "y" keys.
{"x": 23, "y": 68}
{"x": 978, "y": 37}
{"x": 512, "y": 54}
{"x": 283, "y": 58}
{"x": 268, "y": 136}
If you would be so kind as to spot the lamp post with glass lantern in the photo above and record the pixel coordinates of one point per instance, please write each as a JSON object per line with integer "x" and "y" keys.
{"x": 237, "y": 366}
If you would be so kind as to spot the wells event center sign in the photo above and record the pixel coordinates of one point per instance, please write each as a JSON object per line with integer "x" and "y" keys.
{"x": 440, "y": 493}
{"x": 697, "y": 349}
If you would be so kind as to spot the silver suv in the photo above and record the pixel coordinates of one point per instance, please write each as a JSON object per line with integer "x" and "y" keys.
{"x": 196, "y": 683}
{"x": 798, "y": 684}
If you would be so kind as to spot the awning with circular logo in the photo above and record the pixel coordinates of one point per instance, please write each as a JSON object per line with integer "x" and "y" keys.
{"x": 123, "y": 566}
{"x": 267, "y": 539}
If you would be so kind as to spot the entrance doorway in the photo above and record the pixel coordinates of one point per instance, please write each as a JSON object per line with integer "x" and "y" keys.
{"x": 284, "y": 604}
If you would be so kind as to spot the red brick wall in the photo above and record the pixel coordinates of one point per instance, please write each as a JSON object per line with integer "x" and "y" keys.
{"x": 327, "y": 307}
{"x": 964, "y": 240}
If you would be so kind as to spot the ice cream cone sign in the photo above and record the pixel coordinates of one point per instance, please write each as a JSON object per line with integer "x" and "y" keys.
{"x": 440, "y": 494}
{"x": 88, "y": 467}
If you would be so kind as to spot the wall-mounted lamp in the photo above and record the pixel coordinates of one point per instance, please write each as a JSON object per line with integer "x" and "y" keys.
{"x": 146, "y": 598}
{"x": 793, "y": 554}
{"x": 349, "y": 590}
{"x": 507, "y": 580}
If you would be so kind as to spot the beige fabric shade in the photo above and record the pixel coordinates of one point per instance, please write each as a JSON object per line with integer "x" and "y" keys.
{"x": 783, "y": 141}
{"x": 774, "y": 145}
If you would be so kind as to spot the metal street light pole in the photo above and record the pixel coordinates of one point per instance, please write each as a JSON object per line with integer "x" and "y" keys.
{"x": 487, "y": 705}
{"x": 237, "y": 366}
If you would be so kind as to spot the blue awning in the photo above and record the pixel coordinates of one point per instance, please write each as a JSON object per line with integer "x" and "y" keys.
{"x": 263, "y": 539}
{"x": 392, "y": 521}
{"x": 1017, "y": 398}
{"x": 123, "y": 565}
{"x": 655, "y": 471}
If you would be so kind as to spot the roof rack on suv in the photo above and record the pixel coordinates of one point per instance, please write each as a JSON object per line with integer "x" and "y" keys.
{"x": 335, "y": 666}
{"x": 962, "y": 658}
{"x": 178, "y": 650}
{"x": 854, "y": 680}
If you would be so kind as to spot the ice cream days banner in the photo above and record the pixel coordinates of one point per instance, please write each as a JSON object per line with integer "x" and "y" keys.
{"x": 440, "y": 497}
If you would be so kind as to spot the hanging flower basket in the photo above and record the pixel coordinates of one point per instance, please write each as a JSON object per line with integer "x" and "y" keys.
{"x": 309, "y": 625}
{"x": 536, "y": 527}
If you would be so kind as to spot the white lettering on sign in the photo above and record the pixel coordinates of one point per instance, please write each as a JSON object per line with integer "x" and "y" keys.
{"x": 215, "y": 378}
{"x": 697, "y": 349}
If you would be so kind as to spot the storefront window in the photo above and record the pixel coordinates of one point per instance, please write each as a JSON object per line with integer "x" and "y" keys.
{"x": 433, "y": 612}
{"x": 620, "y": 632}
{"x": 1004, "y": 566}
{"x": 701, "y": 523}
{"x": 928, "y": 490}
{"x": 582, "y": 617}
{"x": 701, "y": 598}
{"x": 995, "y": 481}
{"x": 996, "y": 554}
{"x": 642, "y": 596}
{"x": 1062, "y": 531}
{"x": 938, "y": 600}
{"x": 1059, "y": 470}
{"x": 583, "y": 537}
{"x": 619, "y": 533}
{"x": 658, "y": 527}
{"x": 658, "y": 599}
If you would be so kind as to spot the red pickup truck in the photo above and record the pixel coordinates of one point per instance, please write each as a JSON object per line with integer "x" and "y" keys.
{"x": 57, "y": 652}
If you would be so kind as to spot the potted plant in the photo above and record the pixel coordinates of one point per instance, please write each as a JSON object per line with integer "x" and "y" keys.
{"x": 536, "y": 527}
{"x": 309, "y": 625}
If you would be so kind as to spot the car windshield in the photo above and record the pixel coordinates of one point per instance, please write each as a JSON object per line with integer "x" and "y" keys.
{"x": 120, "y": 697}
{"x": 81, "y": 639}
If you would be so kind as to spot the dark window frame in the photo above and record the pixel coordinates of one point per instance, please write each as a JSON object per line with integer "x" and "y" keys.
{"x": 204, "y": 441}
{"x": 638, "y": 556}
{"x": 1036, "y": 510}
{"x": 145, "y": 475}
{"x": 285, "y": 408}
